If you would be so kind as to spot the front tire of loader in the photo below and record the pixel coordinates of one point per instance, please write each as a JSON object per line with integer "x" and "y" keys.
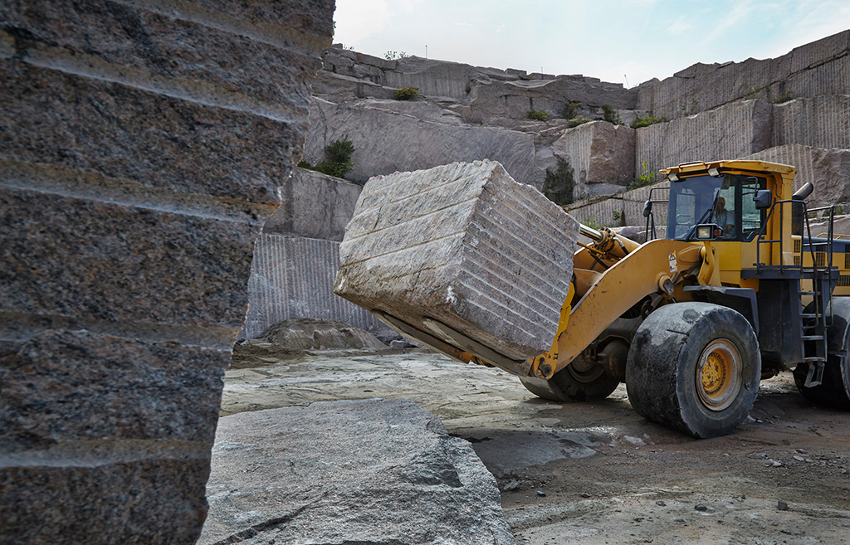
{"x": 575, "y": 383}
{"x": 834, "y": 390}
{"x": 694, "y": 367}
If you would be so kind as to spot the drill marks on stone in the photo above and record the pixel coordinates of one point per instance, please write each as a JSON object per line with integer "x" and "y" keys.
{"x": 98, "y": 453}
{"x": 18, "y": 327}
{"x": 820, "y": 122}
{"x": 199, "y": 92}
{"x": 503, "y": 249}
{"x": 292, "y": 277}
{"x": 68, "y": 182}
{"x": 126, "y": 133}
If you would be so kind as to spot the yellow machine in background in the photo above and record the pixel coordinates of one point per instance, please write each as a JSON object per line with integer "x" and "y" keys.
{"x": 736, "y": 292}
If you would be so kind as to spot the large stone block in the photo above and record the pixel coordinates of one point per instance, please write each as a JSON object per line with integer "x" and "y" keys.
{"x": 94, "y": 387}
{"x": 820, "y": 122}
{"x": 122, "y": 132}
{"x": 387, "y": 142}
{"x": 293, "y": 277}
{"x": 465, "y": 245}
{"x": 314, "y": 205}
{"x": 371, "y": 471}
{"x": 70, "y": 256}
{"x": 175, "y": 56}
{"x": 728, "y": 132}
{"x": 601, "y": 155}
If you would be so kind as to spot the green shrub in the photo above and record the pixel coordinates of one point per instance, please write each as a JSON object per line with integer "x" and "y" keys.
{"x": 407, "y": 93}
{"x": 784, "y": 97}
{"x": 337, "y": 159}
{"x": 617, "y": 216}
{"x": 539, "y": 115}
{"x": 646, "y": 177}
{"x": 580, "y": 120}
{"x": 392, "y": 55}
{"x": 558, "y": 186}
{"x": 611, "y": 115}
{"x": 571, "y": 110}
{"x": 646, "y": 121}
{"x": 593, "y": 223}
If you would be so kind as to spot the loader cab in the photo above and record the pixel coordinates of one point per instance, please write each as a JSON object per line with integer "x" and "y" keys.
{"x": 728, "y": 201}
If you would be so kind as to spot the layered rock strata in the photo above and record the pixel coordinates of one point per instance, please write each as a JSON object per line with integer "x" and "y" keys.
{"x": 465, "y": 246}
{"x": 142, "y": 148}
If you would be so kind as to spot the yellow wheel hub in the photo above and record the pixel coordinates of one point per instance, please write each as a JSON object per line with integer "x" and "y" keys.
{"x": 718, "y": 374}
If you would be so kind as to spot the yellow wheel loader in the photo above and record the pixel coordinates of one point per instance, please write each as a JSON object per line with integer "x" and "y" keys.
{"x": 737, "y": 291}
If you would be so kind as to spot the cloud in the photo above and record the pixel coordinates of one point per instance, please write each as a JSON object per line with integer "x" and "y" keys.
{"x": 358, "y": 19}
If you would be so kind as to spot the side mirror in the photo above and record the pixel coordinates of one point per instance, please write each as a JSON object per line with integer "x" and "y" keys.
{"x": 647, "y": 209}
{"x": 763, "y": 199}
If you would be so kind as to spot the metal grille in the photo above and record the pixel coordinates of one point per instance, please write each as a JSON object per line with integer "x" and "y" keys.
{"x": 820, "y": 259}
{"x": 844, "y": 280}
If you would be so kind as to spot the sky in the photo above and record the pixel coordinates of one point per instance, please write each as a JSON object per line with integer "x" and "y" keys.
{"x": 628, "y": 42}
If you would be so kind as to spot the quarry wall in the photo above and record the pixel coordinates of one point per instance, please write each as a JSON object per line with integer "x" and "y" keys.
{"x": 142, "y": 149}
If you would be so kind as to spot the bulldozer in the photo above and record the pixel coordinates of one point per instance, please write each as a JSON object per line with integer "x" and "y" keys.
{"x": 738, "y": 290}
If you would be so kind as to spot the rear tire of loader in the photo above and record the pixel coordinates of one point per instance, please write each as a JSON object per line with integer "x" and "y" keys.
{"x": 694, "y": 367}
{"x": 834, "y": 390}
{"x": 573, "y": 384}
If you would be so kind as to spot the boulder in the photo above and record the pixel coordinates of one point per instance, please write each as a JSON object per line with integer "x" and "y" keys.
{"x": 464, "y": 246}
{"x": 367, "y": 472}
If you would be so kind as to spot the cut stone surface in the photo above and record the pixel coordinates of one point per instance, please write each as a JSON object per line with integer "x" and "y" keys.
{"x": 369, "y": 472}
{"x": 465, "y": 245}
{"x": 387, "y": 142}
{"x": 827, "y": 169}
{"x": 313, "y": 205}
{"x": 727, "y": 132}
{"x": 601, "y": 155}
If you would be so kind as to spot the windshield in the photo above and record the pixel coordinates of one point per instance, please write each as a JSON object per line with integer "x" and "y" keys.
{"x": 726, "y": 201}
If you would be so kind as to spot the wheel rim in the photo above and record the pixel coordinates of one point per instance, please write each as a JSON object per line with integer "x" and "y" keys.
{"x": 584, "y": 371}
{"x": 718, "y": 375}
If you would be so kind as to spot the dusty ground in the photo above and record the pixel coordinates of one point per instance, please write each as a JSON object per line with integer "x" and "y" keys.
{"x": 598, "y": 473}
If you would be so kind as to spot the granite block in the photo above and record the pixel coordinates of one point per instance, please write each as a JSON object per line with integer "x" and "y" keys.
{"x": 157, "y": 501}
{"x": 349, "y": 472}
{"x": 123, "y": 132}
{"x": 73, "y": 386}
{"x": 600, "y": 154}
{"x": 466, "y": 245}
{"x": 155, "y": 50}
{"x": 77, "y": 257}
{"x": 819, "y": 122}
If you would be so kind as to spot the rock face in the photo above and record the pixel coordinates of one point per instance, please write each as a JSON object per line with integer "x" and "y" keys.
{"x": 817, "y": 68}
{"x": 728, "y": 132}
{"x": 141, "y": 151}
{"x": 819, "y": 122}
{"x": 464, "y": 246}
{"x": 387, "y": 142}
{"x": 372, "y": 471}
{"x": 297, "y": 256}
{"x": 601, "y": 155}
{"x": 828, "y": 170}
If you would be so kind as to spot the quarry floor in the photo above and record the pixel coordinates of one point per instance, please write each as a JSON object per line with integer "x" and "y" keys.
{"x": 597, "y": 473}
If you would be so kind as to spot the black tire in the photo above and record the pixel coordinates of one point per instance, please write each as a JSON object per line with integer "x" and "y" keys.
{"x": 834, "y": 390}
{"x": 574, "y": 383}
{"x": 673, "y": 345}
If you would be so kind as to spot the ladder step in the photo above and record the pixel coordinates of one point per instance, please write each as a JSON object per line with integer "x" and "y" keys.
{"x": 812, "y": 337}
{"x": 810, "y": 315}
{"x": 814, "y": 358}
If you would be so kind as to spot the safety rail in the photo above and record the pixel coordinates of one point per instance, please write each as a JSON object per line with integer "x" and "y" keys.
{"x": 811, "y": 240}
{"x": 647, "y": 211}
